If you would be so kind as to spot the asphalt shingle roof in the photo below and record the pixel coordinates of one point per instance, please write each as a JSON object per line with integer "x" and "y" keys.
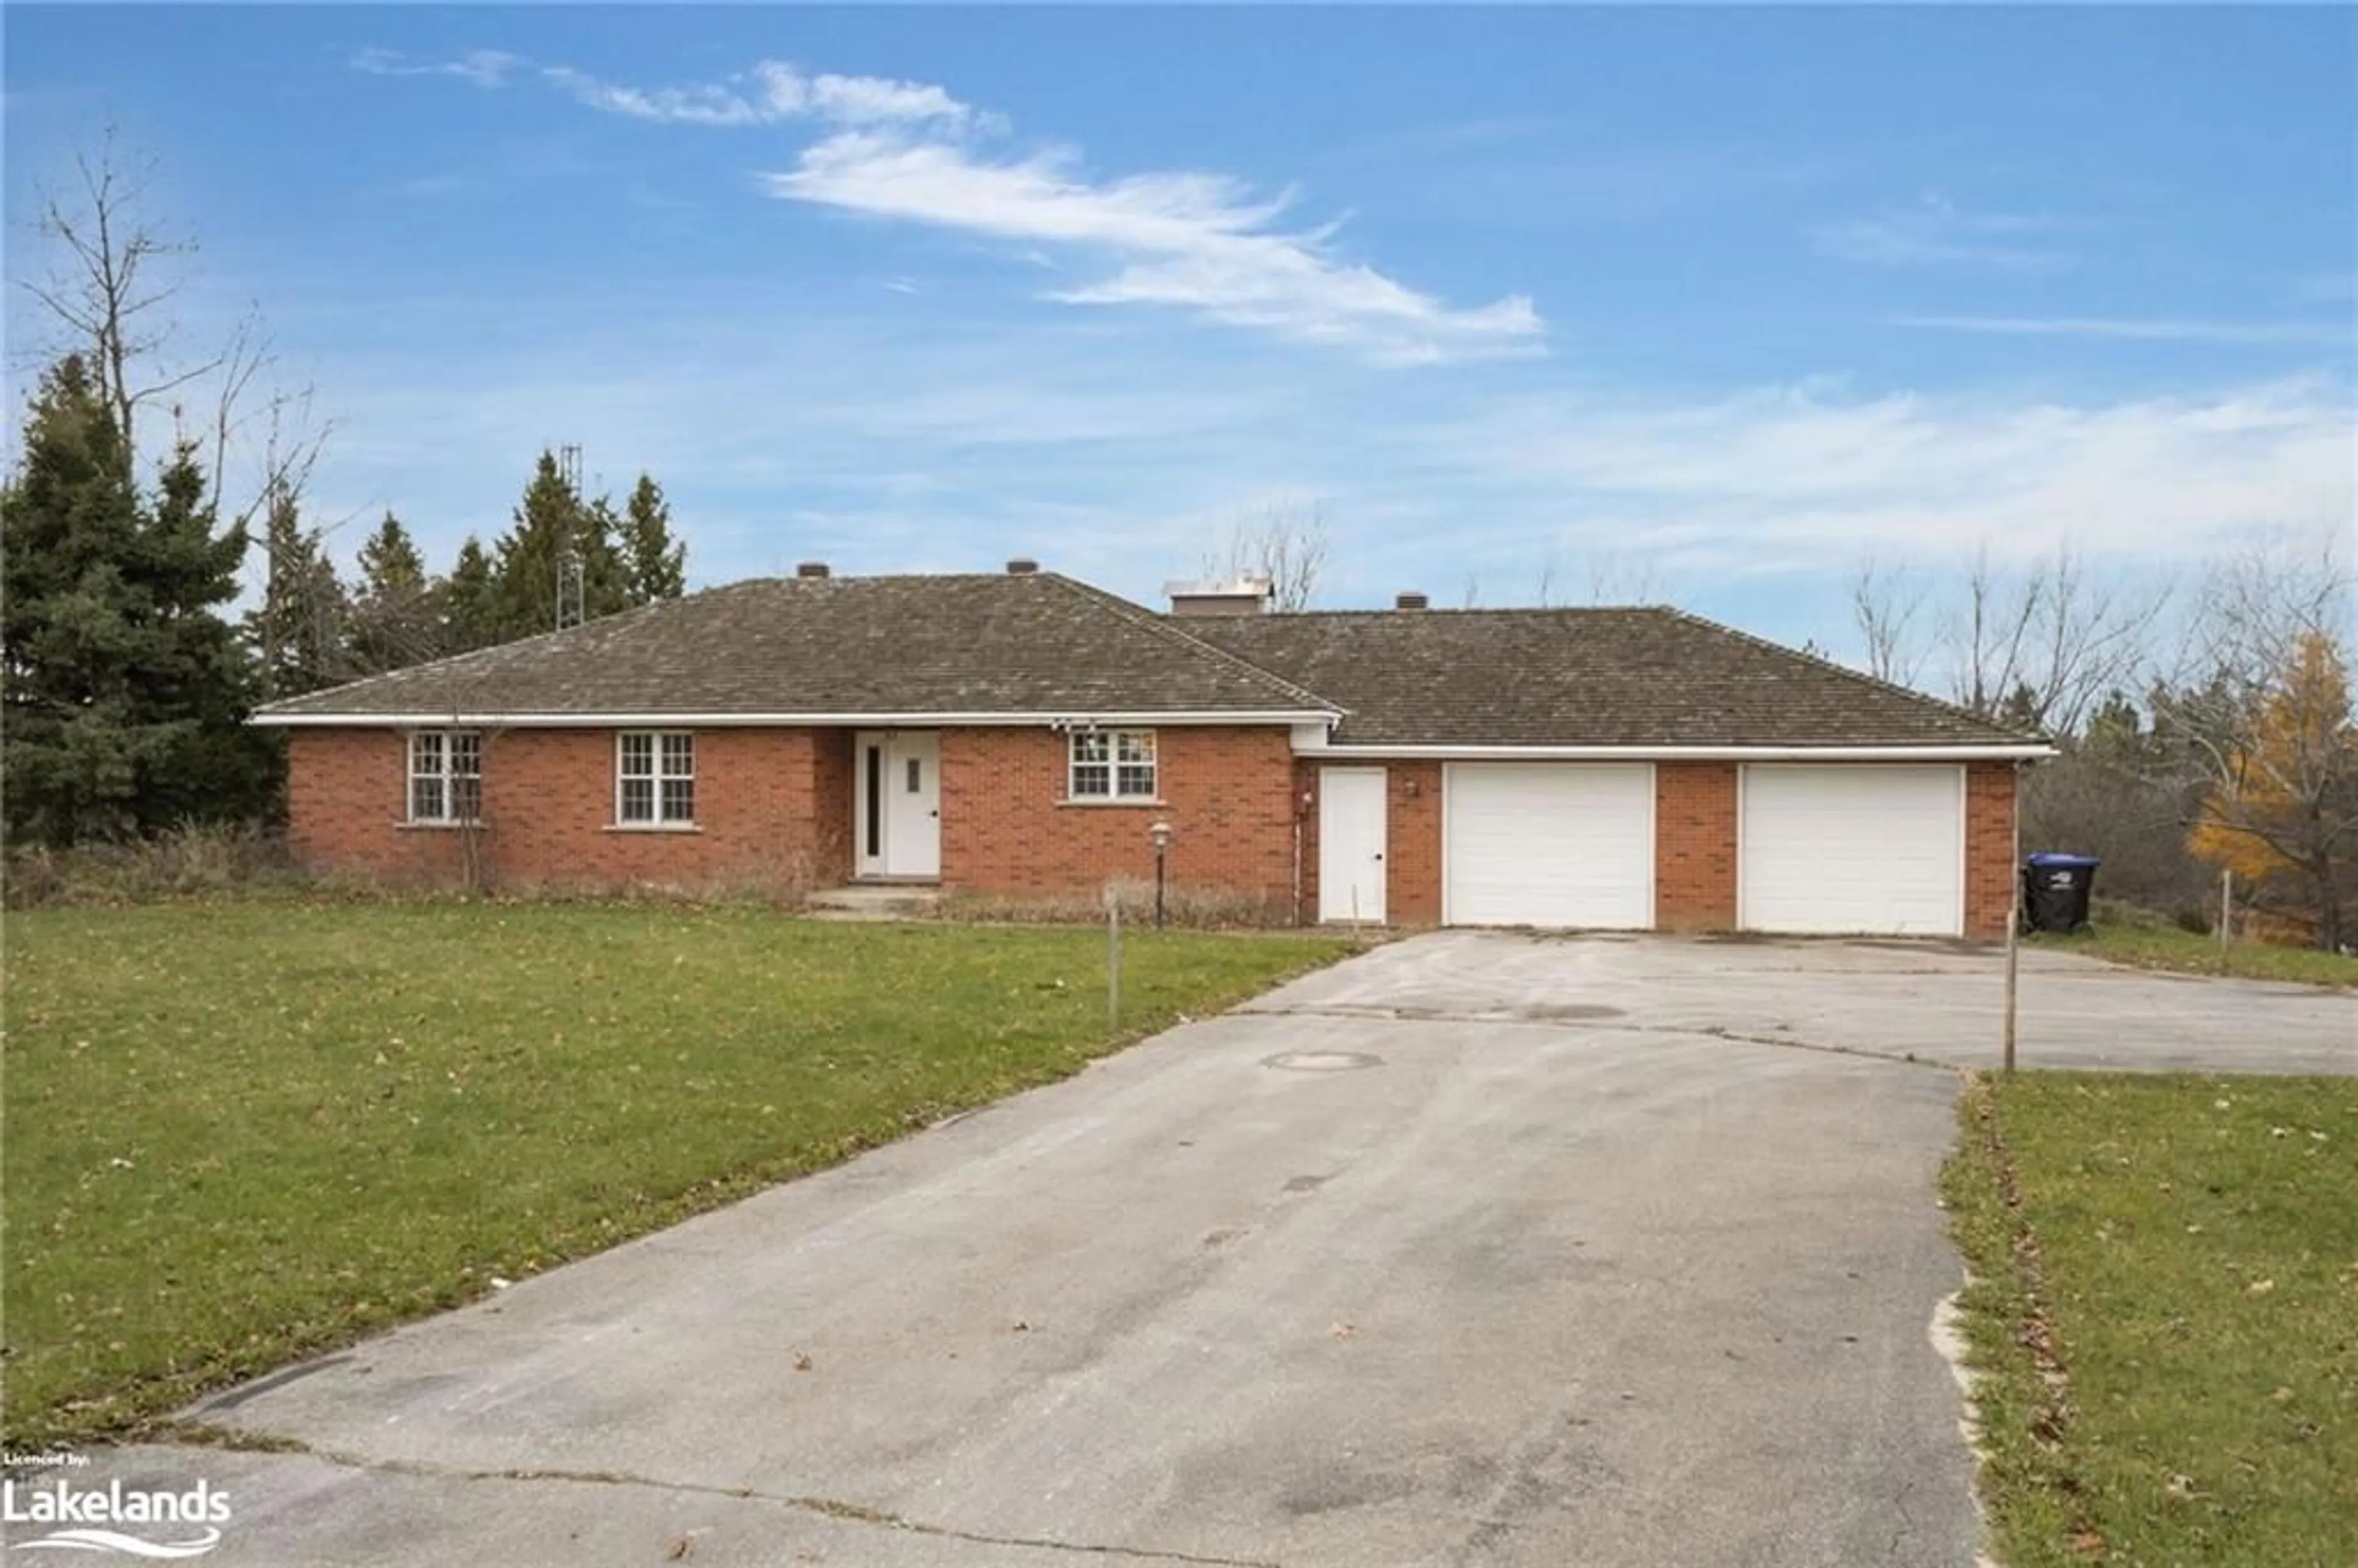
{"x": 1043, "y": 643}
{"x": 1582, "y": 677}
{"x": 1039, "y": 644}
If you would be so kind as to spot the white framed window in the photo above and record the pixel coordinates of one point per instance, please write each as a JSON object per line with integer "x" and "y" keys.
{"x": 654, "y": 778}
{"x": 446, "y": 775}
{"x": 1112, "y": 764}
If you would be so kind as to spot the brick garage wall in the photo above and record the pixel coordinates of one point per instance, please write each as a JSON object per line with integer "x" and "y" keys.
{"x": 548, "y": 811}
{"x": 833, "y": 779}
{"x": 1305, "y": 817}
{"x": 1006, "y": 827}
{"x": 1412, "y": 840}
{"x": 1990, "y": 802}
{"x": 1412, "y": 843}
{"x": 1694, "y": 846}
{"x": 1695, "y": 814}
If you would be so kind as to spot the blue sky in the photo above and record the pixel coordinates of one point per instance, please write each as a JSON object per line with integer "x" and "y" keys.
{"x": 1707, "y": 303}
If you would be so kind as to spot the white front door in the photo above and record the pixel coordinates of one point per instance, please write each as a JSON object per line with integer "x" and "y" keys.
{"x": 897, "y": 803}
{"x": 1351, "y": 844}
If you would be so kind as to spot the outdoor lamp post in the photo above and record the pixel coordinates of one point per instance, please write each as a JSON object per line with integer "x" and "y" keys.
{"x": 1161, "y": 834}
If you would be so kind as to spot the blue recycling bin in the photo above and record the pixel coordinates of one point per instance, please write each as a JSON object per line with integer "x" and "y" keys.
{"x": 2056, "y": 889}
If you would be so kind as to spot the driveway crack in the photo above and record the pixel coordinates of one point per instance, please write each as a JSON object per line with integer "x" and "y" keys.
{"x": 1411, "y": 1014}
{"x": 827, "y": 1508}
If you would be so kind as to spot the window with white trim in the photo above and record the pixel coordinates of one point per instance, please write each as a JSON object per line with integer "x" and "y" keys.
{"x": 1112, "y": 764}
{"x": 654, "y": 778}
{"x": 446, "y": 775}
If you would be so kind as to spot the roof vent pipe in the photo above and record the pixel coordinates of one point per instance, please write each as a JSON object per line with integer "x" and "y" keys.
{"x": 1411, "y": 602}
{"x": 811, "y": 569}
{"x": 1023, "y": 566}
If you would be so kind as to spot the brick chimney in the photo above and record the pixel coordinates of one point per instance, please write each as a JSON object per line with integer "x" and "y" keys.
{"x": 811, "y": 569}
{"x": 1023, "y": 566}
{"x": 1411, "y": 602}
{"x": 1239, "y": 596}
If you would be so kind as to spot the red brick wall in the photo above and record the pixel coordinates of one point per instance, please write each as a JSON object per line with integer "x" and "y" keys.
{"x": 1305, "y": 817}
{"x": 1694, "y": 846}
{"x": 1989, "y": 847}
{"x": 1413, "y": 844}
{"x": 774, "y": 807}
{"x": 1226, "y": 793}
{"x": 1411, "y": 840}
{"x": 548, "y": 810}
{"x": 832, "y": 781}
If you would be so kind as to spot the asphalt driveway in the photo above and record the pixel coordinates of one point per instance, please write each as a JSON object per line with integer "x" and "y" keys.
{"x": 1475, "y": 1249}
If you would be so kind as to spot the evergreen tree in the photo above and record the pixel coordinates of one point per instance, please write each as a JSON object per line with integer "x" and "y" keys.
{"x": 470, "y": 600}
{"x": 302, "y": 629}
{"x": 125, "y": 688}
{"x": 553, "y": 521}
{"x": 396, "y": 616}
{"x": 391, "y": 563}
{"x": 606, "y": 570}
{"x": 656, "y": 563}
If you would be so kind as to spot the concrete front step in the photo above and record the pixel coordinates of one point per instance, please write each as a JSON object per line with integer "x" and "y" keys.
{"x": 875, "y": 901}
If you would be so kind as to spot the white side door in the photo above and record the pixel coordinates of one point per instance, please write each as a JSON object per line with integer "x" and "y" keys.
{"x": 1351, "y": 837}
{"x": 913, "y": 811}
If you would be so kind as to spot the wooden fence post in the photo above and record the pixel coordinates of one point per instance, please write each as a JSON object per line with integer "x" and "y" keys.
{"x": 1113, "y": 958}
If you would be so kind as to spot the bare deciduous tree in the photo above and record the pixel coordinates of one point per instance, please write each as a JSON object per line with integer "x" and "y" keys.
{"x": 1617, "y": 578}
{"x": 103, "y": 287}
{"x": 1285, "y": 543}
{"x": 2040, "y": 646}
{"x": 109, "y": 291}
{"x": 2262, "y": 705}
{"x": 1886, "y": 603}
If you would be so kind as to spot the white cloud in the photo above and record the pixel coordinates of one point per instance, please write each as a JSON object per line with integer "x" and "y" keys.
{"x": 2167, "y": 330}
{"x": 1200, "y": 241}
{"x": 1790, "y": 481}
{"x": 483, "y": 68}
{"x": 1935, "y": 229}
{"x": 772, "y": 92}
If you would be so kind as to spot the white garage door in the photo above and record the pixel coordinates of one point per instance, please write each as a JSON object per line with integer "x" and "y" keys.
{"x": 1550, "y": 844}
{"x": 1853, "y": 849}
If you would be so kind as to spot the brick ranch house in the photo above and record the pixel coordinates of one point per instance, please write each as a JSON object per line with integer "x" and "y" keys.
{"x": 1020, "y": 734}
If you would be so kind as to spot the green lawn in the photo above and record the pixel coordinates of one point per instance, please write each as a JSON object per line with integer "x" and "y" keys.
{"x": 237, "y": 1133}
{"x": 2184, "y": 1251}
{"x": 2148, "y": 942}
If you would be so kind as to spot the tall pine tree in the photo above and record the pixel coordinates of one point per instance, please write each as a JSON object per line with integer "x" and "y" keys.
{"x": 655, "y": 564}
{"x": 125, "y": 688}
{"x": 396, "y": 613}
{"x": 470, "y": 600}
{"x": 302, "y": 629}
{"x": 553, "y": 521}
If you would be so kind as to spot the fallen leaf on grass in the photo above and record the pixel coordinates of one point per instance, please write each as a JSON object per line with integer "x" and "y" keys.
{"x": 2259, "y": 1287}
